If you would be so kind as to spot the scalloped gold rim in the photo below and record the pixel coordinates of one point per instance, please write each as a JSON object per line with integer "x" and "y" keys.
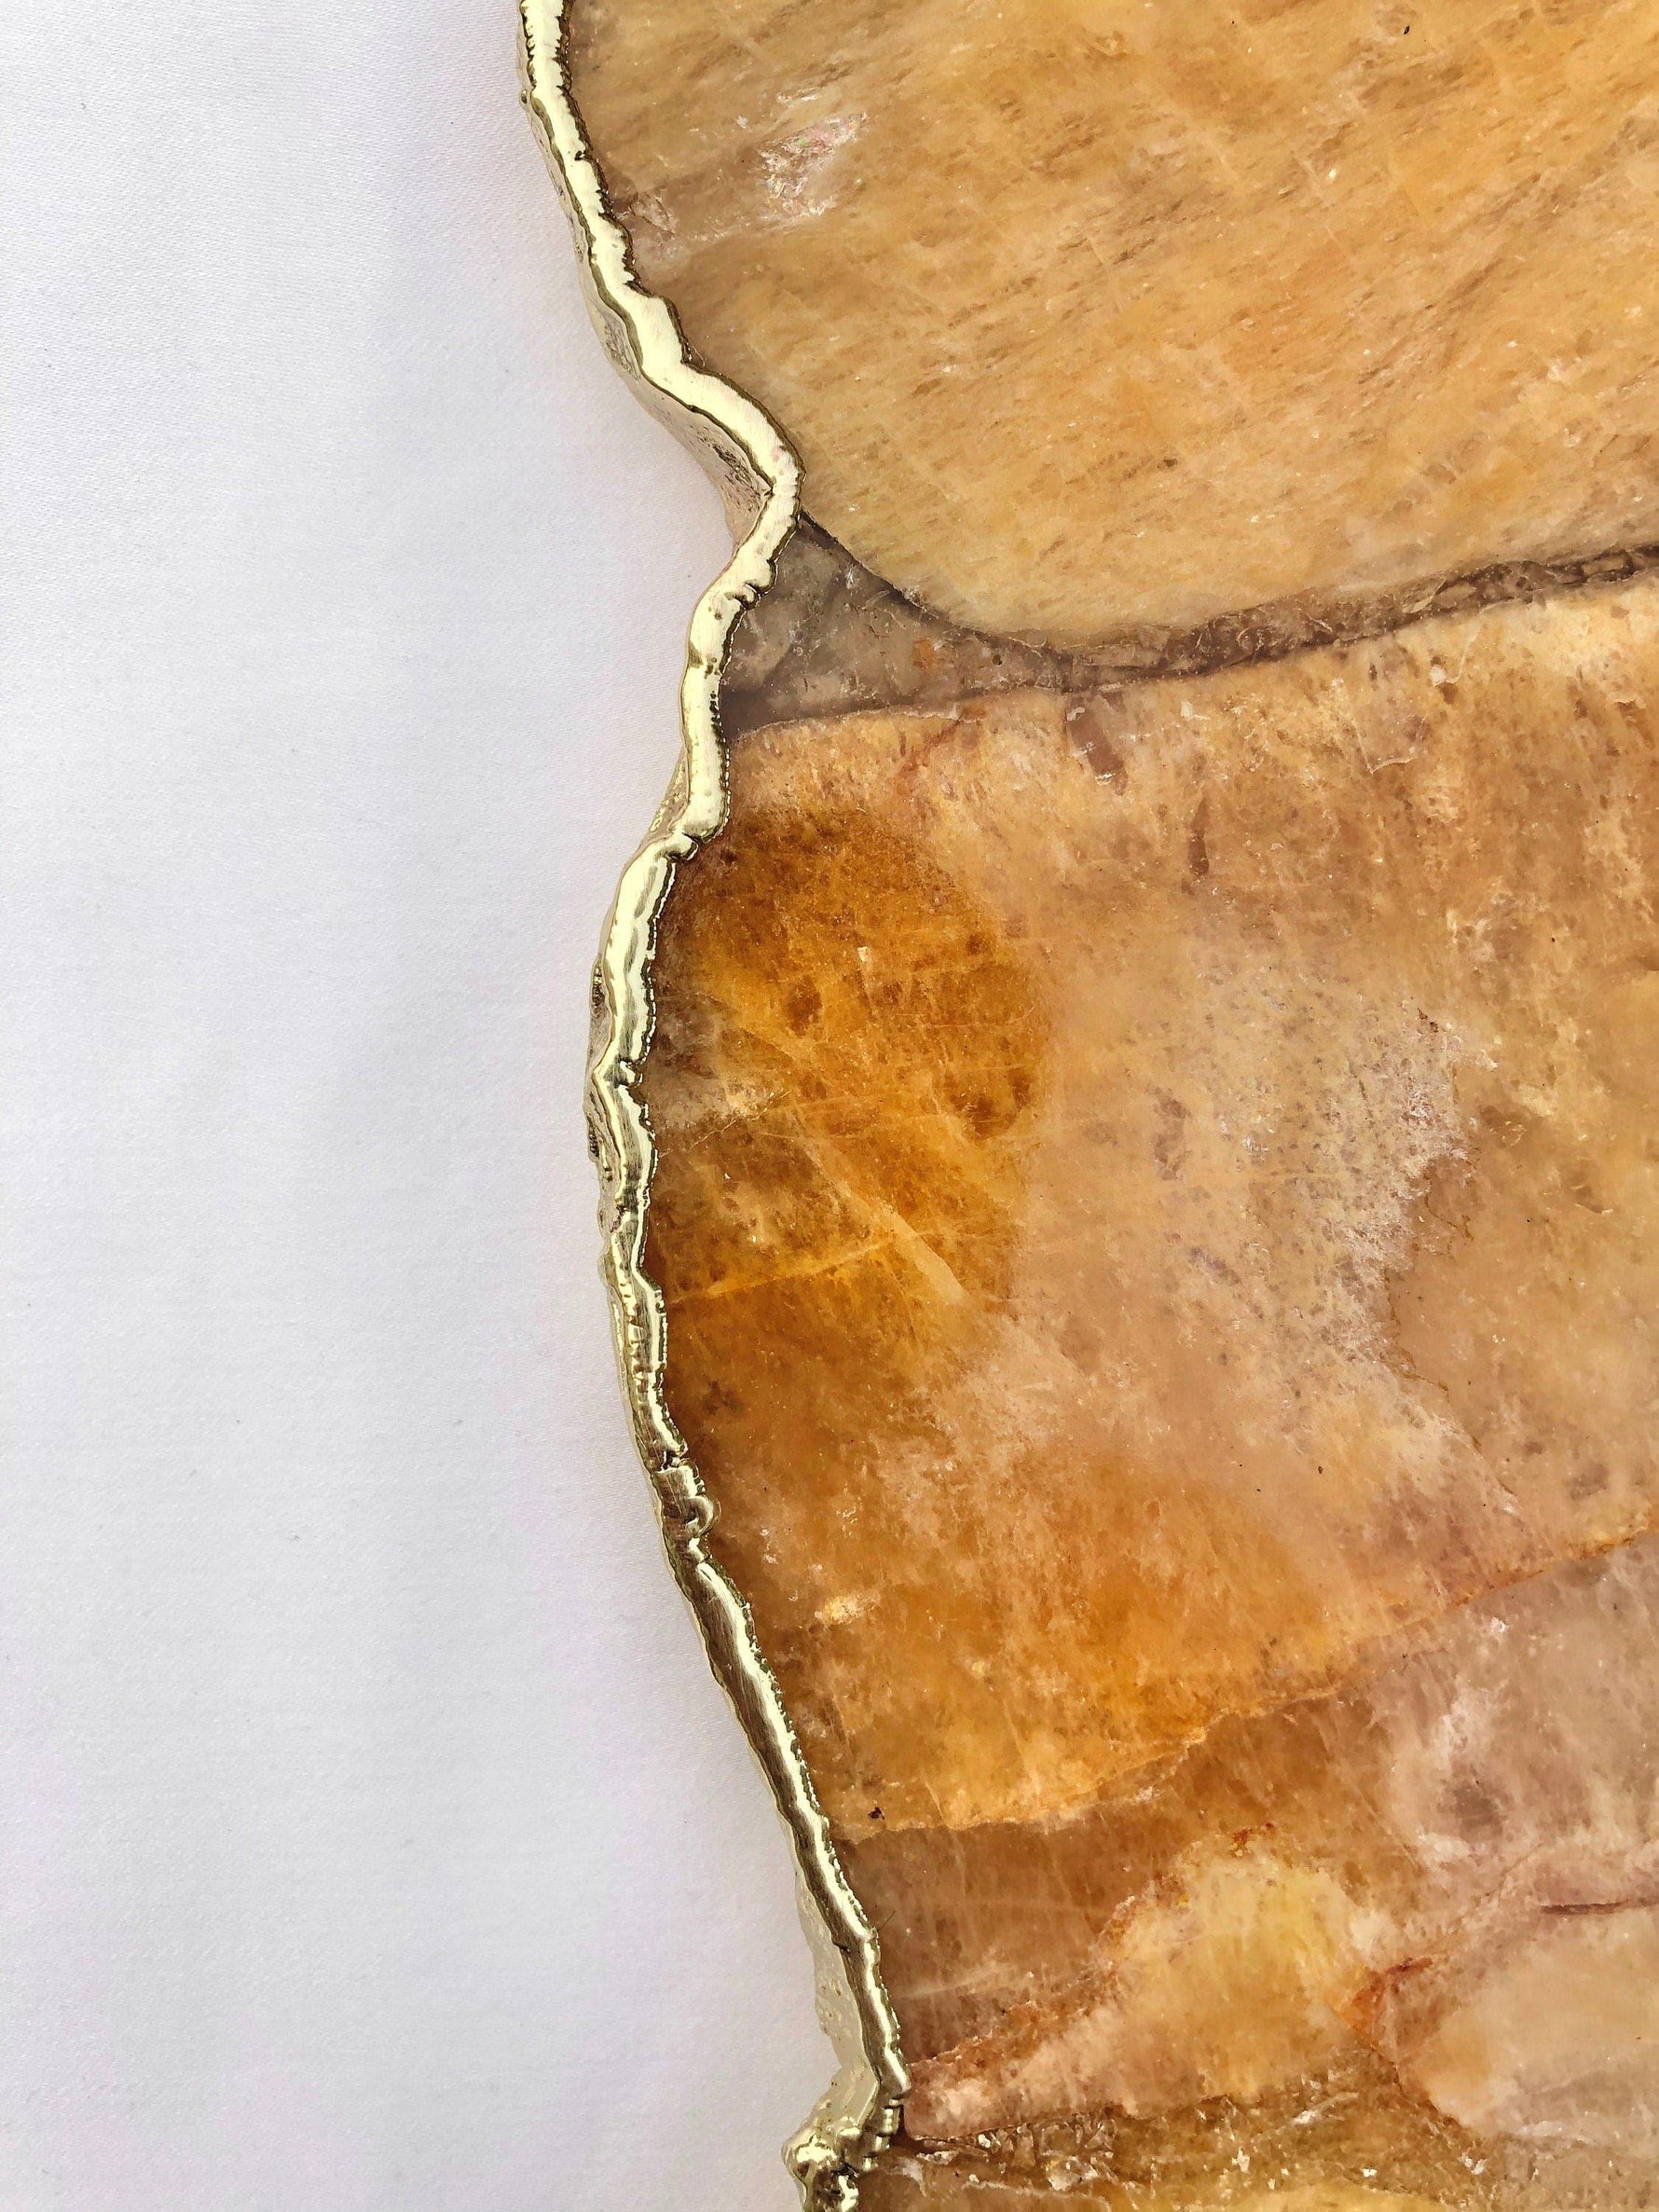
{"x": 760, "y": 478}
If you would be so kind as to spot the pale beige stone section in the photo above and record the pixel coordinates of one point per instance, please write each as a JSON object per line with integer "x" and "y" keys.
{"x": 1093, "y": 312}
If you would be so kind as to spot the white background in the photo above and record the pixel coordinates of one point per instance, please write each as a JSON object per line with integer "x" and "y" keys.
{"x": 370, "y": 1832}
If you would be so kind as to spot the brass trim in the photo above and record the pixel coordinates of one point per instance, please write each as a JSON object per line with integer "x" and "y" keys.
{"x": 760, "y": 479}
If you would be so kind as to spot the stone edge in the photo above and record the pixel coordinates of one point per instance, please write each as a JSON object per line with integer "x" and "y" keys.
{"x": 758, "y": 477}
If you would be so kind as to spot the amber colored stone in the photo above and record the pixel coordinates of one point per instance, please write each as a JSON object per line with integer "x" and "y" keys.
{"x": 1156, "y": 1214}
{"x": 1154, "y": 1081}
{"x": 1086, "y": 314}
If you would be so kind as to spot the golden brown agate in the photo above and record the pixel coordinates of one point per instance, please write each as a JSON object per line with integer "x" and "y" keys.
{"x": 1085, "y": 313}
{"x": 1365, "y": 1915}
{"x": 1154, "y": 1211}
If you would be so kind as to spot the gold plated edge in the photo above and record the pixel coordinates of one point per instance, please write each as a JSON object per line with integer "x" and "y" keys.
{"x": 760, "y": 479}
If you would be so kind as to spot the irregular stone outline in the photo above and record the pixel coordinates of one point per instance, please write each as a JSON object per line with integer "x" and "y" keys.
{"x": 758, "y": 477}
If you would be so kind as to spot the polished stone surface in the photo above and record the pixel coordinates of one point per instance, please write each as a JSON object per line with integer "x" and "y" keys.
{"x": 1091, "y": 313}
{"x": 1157, "y": 1216}
{"x": 1154, "y": 1081}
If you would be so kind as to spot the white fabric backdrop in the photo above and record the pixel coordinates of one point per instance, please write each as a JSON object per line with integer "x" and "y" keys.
{"x": 371, "y": 1833}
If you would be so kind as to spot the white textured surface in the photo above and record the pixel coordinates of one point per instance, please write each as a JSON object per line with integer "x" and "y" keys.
{"x": 374, "y": 1835}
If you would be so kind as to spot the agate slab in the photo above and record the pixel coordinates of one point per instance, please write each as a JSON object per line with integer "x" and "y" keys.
{"x": 1127, "y": 1067}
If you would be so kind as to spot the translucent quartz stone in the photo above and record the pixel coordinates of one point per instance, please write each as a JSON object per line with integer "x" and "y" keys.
{"x": 1159, "y": 1212}
{"x": 1156, "y": 1079}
